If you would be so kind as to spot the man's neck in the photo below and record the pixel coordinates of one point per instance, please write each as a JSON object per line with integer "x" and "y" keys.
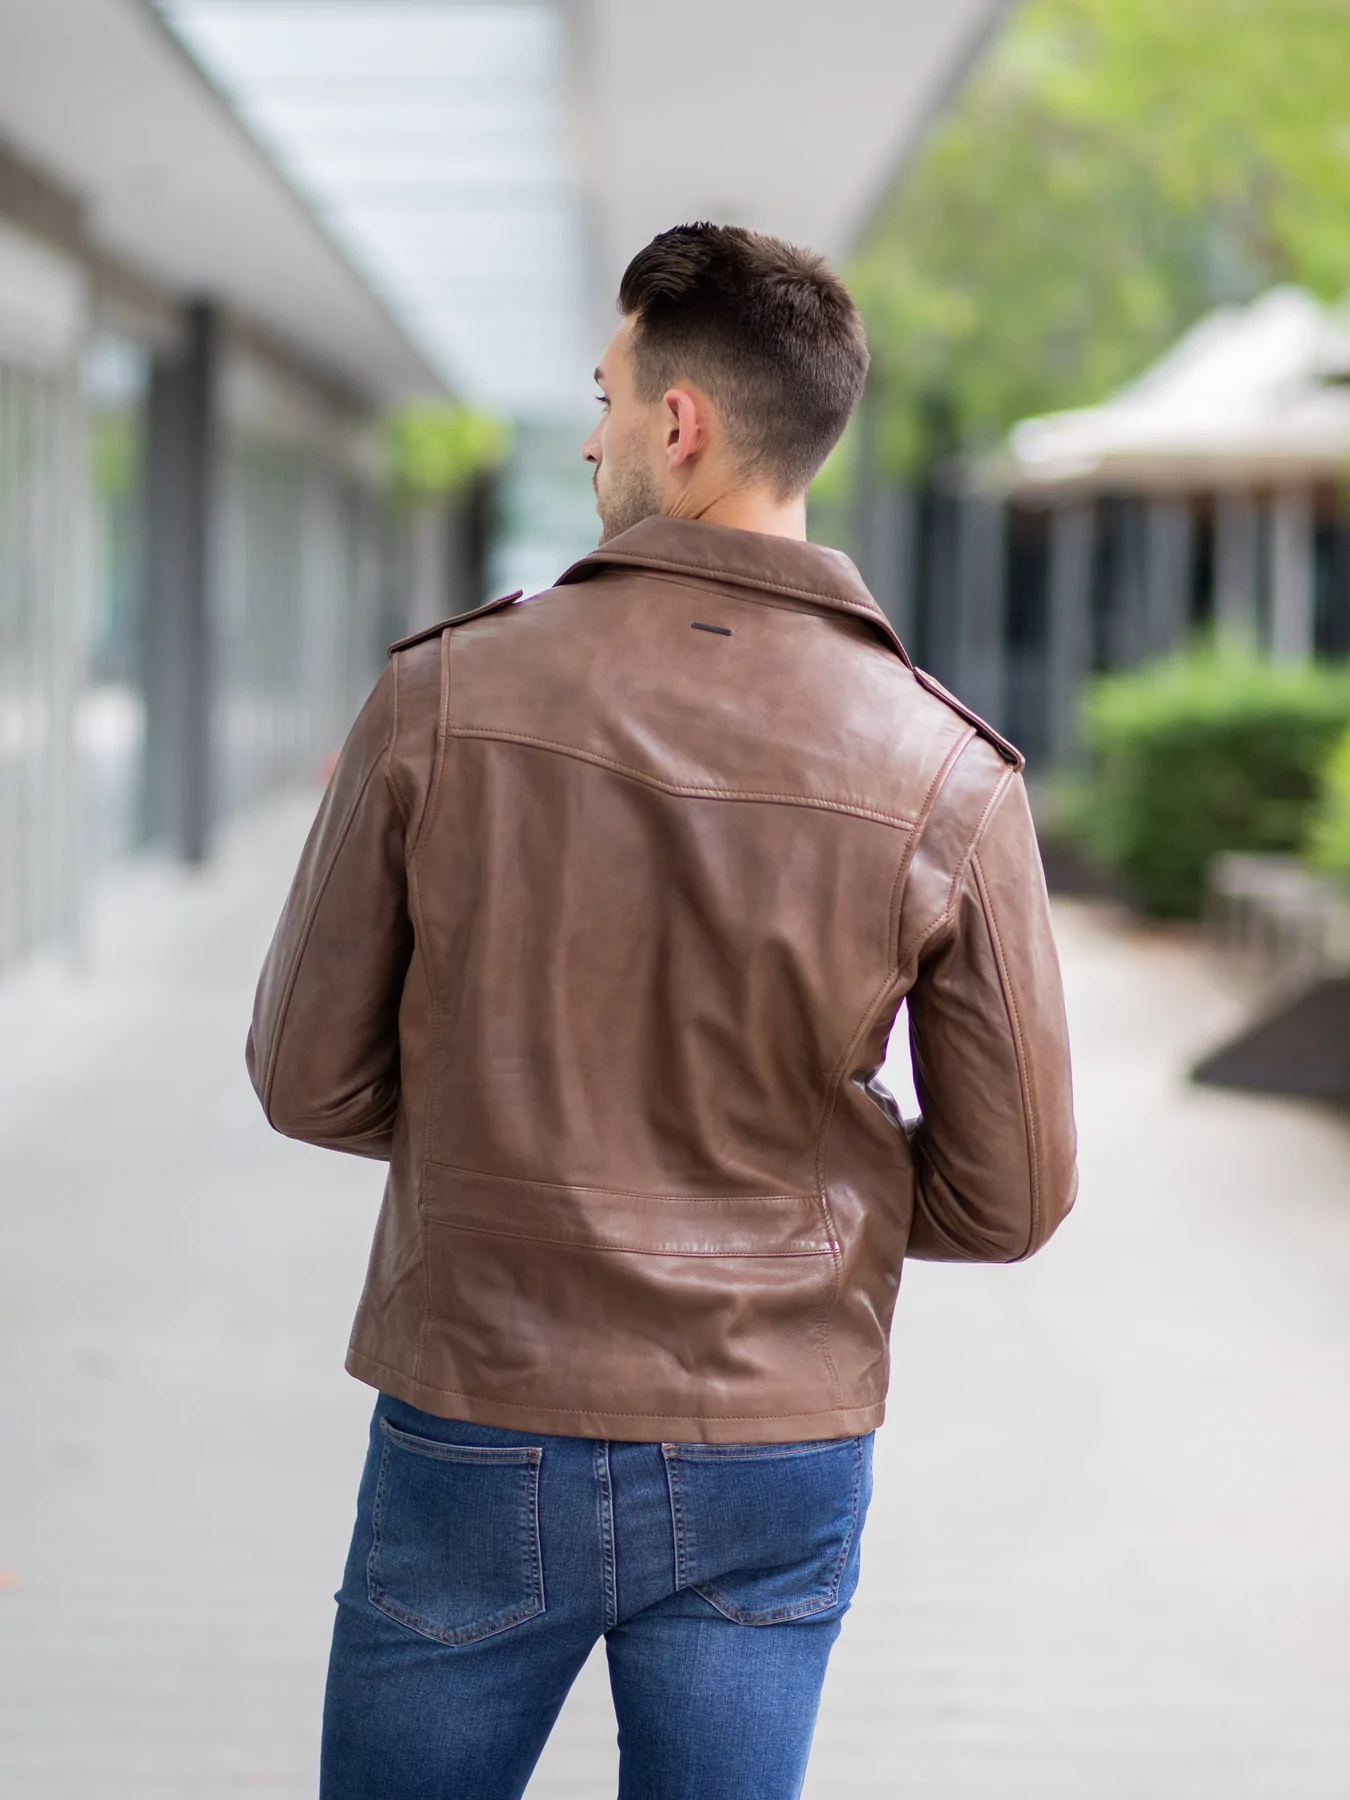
{"x": 753, "y": 511}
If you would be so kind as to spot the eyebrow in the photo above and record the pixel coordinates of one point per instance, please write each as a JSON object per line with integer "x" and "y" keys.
{"x": 598, "y": 378}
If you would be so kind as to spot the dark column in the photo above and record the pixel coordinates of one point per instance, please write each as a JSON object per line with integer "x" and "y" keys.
{"x": 181, "y": 483}
{"x": 1333, "y": 611}
{"x": 1126, "y": 645}
{"x": 428, "y": 537}
{"x": 468, "y": 522}
{"x": 883, "y": 527}
{"x": 1069, "y": 637}
{"x": 979, "y": 604}
{"x": 937, "y": 620}
{"x": 890, "y": 552}
{"x": 1169, "y": 555}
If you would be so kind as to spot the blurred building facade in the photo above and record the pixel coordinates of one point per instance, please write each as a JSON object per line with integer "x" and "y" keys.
{"x": 1209, "y": 496}
{"x": 229, "y": 238}
{"x": 198, "y": 571}
{"x": 191, "y": 557}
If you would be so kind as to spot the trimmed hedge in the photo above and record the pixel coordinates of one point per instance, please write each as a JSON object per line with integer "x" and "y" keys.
{"x": 1203, "y": 753}
{"x": 1329, "y": 840}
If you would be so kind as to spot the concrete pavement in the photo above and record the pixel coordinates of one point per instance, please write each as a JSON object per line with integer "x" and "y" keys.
{"x": 1109, "y": 1553}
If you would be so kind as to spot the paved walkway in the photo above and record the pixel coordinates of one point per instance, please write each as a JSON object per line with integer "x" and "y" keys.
{"x": 1109, "y": 1556}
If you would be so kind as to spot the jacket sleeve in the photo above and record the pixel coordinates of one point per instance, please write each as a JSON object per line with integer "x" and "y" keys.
{"x": 323, "y": 1049}
{"x": 994, "y": 1147}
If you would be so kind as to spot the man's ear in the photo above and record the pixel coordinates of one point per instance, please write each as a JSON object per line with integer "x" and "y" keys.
{"x": 687, "y": 425}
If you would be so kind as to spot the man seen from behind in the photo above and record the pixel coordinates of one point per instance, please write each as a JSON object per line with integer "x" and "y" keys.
{"x": 597, "y": 941}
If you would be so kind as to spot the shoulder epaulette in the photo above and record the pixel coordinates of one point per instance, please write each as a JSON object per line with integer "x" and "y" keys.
{"x": 474, "y": 612}
{"x": 1008, "y": 751}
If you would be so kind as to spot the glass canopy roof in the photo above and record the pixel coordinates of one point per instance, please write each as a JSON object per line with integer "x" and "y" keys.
{"x": 431, "y": 138}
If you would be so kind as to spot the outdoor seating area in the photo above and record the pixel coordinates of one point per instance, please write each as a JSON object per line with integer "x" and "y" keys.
{"x": 1280, "y": 920}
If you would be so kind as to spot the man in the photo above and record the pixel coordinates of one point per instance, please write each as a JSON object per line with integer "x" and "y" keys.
{"x": 597, "y": 940}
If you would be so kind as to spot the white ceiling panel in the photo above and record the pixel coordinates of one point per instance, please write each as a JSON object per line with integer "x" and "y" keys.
{"x": 444, "y": 192}
{"x": 785, "y": 115}
{"x": 433, "y": 142}
{"x": 96, "y": 93}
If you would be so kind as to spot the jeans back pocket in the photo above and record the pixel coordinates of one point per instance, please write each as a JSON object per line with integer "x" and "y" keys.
{"x": 455, "y": 1554}
{"x": 768, "y": 1533}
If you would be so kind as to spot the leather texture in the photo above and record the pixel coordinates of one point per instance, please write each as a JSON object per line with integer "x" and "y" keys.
{"x": 598, "y": 939}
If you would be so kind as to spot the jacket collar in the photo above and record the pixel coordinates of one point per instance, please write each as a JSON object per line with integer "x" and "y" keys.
{"x": 775, "y": 565}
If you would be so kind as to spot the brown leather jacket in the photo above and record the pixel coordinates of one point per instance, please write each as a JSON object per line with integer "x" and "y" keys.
{"x": 598, "y": 938}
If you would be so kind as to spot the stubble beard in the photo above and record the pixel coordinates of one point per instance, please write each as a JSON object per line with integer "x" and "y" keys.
{"x": 630, "y": 496}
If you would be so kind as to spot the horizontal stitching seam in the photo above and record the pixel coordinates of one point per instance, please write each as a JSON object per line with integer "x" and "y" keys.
{"x": 819, "y": 802}
{"x": 486, "y": 1455}
{"x": 570, "y": 1187}
{"x": 610, "y": 1412}
{"x": 562, "y": 1243}
{"x": 759, "y": 1452}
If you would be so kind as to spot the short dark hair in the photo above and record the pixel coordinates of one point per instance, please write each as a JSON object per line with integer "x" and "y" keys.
{"x": 769, "y": 331}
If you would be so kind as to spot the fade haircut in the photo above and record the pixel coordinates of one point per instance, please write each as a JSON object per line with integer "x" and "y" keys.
{"x": 768, "y": 331}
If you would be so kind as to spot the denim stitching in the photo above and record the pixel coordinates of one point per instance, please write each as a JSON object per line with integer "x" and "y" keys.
{"x": 533, "y": 1546}
{"x": 686, "y": 1548}
{"x": 500, "y": 1455}
{"x": 678, "y": 1524}
{"x": 752, "y": 1452}
{"x": 802, "y": 1609}
{"x": 530, "y": 1607}
{"x": 604, "y": 1503}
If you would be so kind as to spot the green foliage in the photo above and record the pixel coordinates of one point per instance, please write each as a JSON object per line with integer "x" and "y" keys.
{"x": 435, "y": 449}
{"x": 1114, "y": 169}
{"x": 1329, "y": 840}
{"x": 1200, "y": 754}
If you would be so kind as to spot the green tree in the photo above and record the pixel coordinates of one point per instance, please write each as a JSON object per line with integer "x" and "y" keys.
{"x": 435, "y": 449}
{"x": 1113, "y": 169}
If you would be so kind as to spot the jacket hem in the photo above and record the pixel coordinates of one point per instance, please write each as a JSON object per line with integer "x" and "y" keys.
{"x": 619, "y": 1427}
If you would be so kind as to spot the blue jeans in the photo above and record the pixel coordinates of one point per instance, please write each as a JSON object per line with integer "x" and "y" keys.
{"x": 486, "y": 1563}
